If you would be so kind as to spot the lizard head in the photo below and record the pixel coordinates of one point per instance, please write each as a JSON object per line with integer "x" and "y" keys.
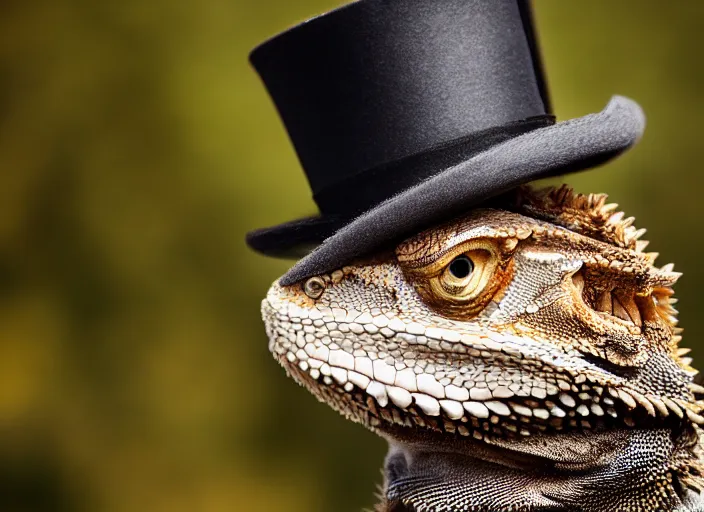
{"x": 533, "y": 342}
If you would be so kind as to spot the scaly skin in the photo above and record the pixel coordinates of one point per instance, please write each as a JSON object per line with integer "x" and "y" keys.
{"x": 547, "y": 378}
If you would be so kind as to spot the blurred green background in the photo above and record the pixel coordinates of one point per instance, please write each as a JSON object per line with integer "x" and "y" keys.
{"x": 136, "y": 149}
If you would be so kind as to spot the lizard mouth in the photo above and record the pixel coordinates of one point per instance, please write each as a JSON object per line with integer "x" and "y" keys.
{"x": 384, "y": 399}
{"x": 382, "y": 408}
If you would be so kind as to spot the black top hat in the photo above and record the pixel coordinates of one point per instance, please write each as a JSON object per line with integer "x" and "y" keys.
{"x": 404, "y": 112}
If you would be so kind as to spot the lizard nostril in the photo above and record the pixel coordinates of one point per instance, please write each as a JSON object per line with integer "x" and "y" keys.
{"x": 314, "y": 287}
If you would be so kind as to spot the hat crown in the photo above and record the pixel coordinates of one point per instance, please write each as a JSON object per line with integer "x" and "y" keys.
{"x": 378, "y": 82}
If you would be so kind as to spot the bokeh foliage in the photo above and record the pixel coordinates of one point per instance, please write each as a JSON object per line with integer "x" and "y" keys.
{"x": 136, "y": 149}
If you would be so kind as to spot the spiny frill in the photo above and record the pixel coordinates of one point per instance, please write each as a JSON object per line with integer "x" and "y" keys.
{"x": 590, "y": 215}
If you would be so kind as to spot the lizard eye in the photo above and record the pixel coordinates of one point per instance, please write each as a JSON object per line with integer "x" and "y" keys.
{"x": 465, "y": 276}
{"x": 461, "y": 282}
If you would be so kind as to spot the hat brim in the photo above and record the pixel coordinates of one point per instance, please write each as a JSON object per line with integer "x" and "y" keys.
{"x": 564, "y": 147}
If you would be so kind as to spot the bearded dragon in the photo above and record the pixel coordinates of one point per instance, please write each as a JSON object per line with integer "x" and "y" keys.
{"x": 524, "y": 357}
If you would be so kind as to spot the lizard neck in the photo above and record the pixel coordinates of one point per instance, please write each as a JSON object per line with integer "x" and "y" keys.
{"x": 610, "y": 470}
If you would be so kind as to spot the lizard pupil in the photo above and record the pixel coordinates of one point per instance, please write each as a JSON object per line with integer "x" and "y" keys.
{"x": 461, "y": 267}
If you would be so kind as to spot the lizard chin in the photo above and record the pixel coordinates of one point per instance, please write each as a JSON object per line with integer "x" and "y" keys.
{"x": 610, "y": 470}
{"x": 610, "y": 467}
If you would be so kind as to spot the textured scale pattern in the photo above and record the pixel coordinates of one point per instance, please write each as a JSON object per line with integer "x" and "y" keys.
{"x": 542, "y": 373}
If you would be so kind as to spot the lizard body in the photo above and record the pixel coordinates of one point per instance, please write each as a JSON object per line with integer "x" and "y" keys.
{"x": 524, "y": 356}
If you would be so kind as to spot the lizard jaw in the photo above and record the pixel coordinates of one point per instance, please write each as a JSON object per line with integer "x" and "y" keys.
{"x": 364, "y": 388}
{"x": 553, "y": 468}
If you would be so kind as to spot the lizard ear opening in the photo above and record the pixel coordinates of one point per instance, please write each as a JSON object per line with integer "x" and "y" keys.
{"x": 461, "y": 282}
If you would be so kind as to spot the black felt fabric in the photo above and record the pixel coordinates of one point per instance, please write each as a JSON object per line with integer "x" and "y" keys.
{"x": 296, "y": 238}
{"x": 376, "y": 81}
{"x": 566, "y": 146}
{"x": 352, "y": 195}
{"x": 405, "y": 112}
